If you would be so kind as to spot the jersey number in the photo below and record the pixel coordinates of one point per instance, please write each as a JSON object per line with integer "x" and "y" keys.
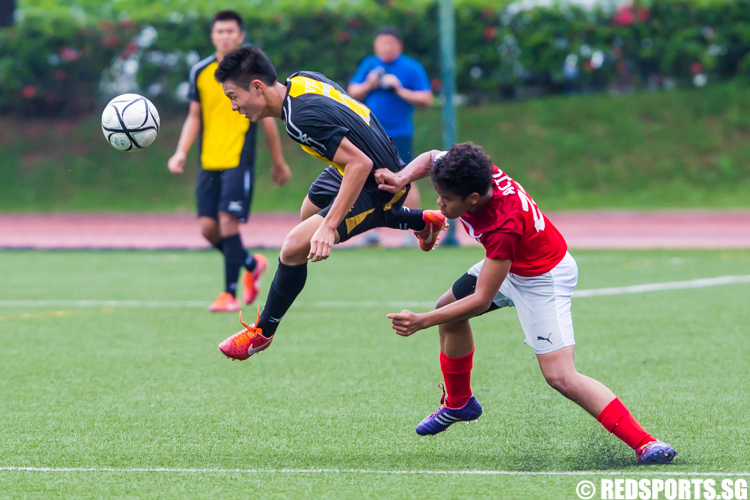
{"x": 305, "y": 85}
{"x": 526, "y": 202}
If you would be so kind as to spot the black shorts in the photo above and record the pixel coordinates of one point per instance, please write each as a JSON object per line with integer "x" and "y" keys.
{"x": 466, "y": 285}
{"x": 229, "y": 190}
{"x": 372, "y": 208}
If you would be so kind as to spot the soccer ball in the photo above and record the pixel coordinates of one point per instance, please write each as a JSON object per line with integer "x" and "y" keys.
{"x": 130, "y": 122}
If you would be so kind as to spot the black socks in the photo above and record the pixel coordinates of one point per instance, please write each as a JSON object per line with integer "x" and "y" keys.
{"x": 287, "y": 284}
{"x": 250, "y": 262}
{"x": 234, "y": 258}
{"x": 405, "y": 219}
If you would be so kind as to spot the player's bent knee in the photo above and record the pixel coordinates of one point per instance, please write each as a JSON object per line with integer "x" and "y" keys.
{"x": 292, "y": 250}
{"x": 560, "y": 381}
{"x": 295, "y": 248}
{"x": 445, "y": 299}
{"x": 210, "y": 230}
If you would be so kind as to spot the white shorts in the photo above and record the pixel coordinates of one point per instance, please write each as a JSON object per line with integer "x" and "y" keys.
{"x": 543, "y": 304}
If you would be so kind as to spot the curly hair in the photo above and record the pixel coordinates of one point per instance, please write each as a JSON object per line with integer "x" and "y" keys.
{"x": 464, "y": 170}
{"x": 245, "y": 64}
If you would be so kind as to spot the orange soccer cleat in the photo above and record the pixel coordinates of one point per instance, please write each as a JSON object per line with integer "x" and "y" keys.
{"x": 252, "y": 279}
{"x": 225, "y": 302}
{"x": 429, "y": 236}
{"x": 245, "y": 343}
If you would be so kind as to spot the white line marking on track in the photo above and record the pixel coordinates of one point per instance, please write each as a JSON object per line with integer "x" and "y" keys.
{"x": 639, "y": 472}
{"x": 579, "y": 294}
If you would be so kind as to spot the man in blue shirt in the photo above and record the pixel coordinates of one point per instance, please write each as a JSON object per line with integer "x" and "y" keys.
{"x": 391, "y": 84}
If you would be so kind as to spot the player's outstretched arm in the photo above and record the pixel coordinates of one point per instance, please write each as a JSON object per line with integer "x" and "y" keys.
{"x": 419, "y": 168}
{"x": 490, "y": 279}
{"x": 190, "y": 130}
{"x": 280, "y": 172}
{"x": 357, "y": 167}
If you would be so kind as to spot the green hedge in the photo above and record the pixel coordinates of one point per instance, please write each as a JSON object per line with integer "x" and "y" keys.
{"x": 54, "y": 66}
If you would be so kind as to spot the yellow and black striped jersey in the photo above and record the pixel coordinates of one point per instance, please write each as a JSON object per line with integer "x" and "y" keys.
{"x": 318, "y": 114}
{"x": 226, "y": 134}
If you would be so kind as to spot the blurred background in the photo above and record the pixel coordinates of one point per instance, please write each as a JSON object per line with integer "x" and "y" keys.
{"x": 589, "y": 104}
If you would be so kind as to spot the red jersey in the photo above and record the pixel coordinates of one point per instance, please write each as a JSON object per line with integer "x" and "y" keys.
{"x": 511, "y": 227}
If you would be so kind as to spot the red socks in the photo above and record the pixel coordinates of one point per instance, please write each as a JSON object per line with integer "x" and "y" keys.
{"x": 457, "y": 376}
{"x": 616, "y": 418}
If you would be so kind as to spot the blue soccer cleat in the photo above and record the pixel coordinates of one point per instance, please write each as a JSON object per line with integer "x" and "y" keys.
{"x": 655, "y": 452}
{"x": 445, "y": 417}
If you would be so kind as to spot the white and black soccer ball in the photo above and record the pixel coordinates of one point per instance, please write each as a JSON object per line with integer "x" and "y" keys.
{"x": 130, "y": 122}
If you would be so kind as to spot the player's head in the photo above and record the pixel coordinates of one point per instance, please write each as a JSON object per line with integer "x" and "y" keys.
{"x": 462, "y": 178}
{"x": 388, "y": 44}
{"x": 226, "y": 31}
{"x": 245, "y": 75}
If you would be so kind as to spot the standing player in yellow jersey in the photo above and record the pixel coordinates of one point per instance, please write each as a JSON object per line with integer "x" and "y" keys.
{"x": 225, "y": 183}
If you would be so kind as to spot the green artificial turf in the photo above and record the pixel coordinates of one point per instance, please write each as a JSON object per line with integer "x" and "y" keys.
{"x": 144, "y": 387}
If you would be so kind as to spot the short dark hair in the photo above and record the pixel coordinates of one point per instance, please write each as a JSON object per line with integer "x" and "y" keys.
{"x": 389, "y": 30}
{"x": 245, "y": 64}
{"x": 227, "y": 15}
{"x": 464, "y": 170}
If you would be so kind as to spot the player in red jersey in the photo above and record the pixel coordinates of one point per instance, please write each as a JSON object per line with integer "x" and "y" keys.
{"x": 527, "y": 265}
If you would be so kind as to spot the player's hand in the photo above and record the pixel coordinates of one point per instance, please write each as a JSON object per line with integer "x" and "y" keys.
{"x": 322, "y": 243}
{"x": 389, "y": 181}
{"x": 390, "y": 82}
{"x": 176, "y": 163}
{"x": 281, "y": 174}
{"x": 406, "y": 322}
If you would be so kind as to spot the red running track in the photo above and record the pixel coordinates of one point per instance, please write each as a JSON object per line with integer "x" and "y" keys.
{"x": 605, "y": 230}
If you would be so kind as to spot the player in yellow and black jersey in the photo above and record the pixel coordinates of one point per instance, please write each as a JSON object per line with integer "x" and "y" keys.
{"x": 345, "y": 199}
{"x": 226, "y": 176}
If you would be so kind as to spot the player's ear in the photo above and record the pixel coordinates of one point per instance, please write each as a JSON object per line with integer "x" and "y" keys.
{"x": 256, "y": 86}
{"x": 474, "y": 198}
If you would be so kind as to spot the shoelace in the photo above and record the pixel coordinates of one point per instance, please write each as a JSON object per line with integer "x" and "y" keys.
{"x": 251, "y": 331}
{"x": 442, "y": 399}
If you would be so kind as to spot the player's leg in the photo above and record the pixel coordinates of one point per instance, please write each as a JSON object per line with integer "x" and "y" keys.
{"x": 456, "y": 356}
{"x": 207, "y": 193}
{"x": 405, "y": 146}
{"x": 287, "y": 284}
{"x": 208, "y": 196}
{"x": 560, "y": 373}
{"x": 291, "y": 274}
{"x": 544, "y": 308}
{"x": 600, "y": 402}
{"x": 309, "y": 209}
{"x": 237, "y": 198}
{"x": 426, "y": 224}
{"x": 234, "y": 253}
{"x": 322, "y": 192}
{"x": 234, "y": 208}
{"x": 456, "y": 361}
{"x": 210, "y": 231}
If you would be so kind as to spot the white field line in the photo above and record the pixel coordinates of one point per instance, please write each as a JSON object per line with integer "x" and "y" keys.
{"x": 668, "y": 285}
{"x": 579, "y": 294}
{"x": 639, "y": 472}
